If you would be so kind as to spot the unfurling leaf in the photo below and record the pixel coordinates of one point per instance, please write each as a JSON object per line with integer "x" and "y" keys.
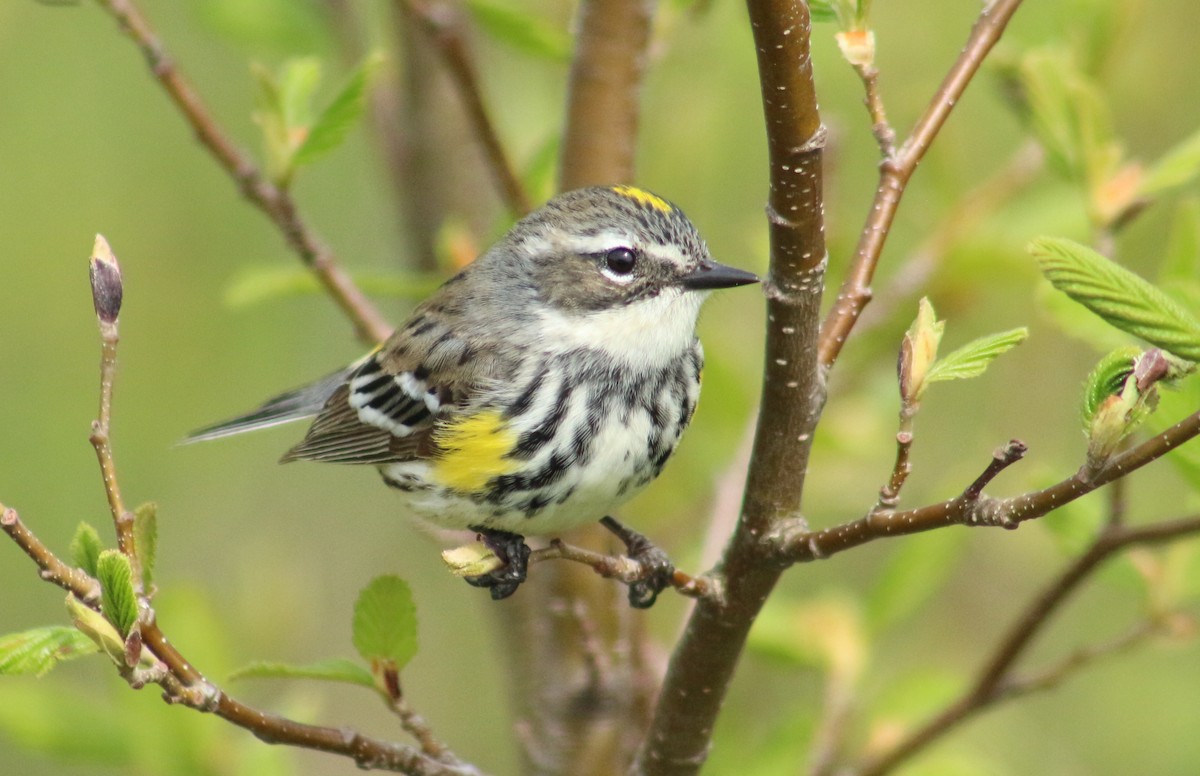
{"x": 918, "y": 351}
{"x": 1121, "y": 392}
{"x": 94, "y": 625}
{"x": 36, "y": 651}
{"x": 86, "y": 548}
{"x": 118, "y": 600}
{"x": 1117, "y": 295}
{"x": 339, "y": 117}
{"x": 145, "y": 538}
{"x": 385, "y": 622}
{"x": 334, "y": 670}
{"x": 1107, "y": 379}
{"x": 972, "y": 359}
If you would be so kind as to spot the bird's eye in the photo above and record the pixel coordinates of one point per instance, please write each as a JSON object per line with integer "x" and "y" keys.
{"x": 620, "y": 261}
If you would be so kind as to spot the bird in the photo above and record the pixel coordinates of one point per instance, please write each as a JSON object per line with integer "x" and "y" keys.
{"x": 538, "y": 389}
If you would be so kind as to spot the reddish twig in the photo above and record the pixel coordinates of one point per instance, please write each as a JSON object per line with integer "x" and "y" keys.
{"x": 277, "y": 203}
{"x": 895, "y": 173}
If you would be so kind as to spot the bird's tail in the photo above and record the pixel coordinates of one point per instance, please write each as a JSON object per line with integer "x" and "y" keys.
{"x": 303, "y": 402}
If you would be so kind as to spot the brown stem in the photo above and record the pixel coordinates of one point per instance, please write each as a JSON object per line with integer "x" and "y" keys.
{"x": 600, "y": 136}
{"x": 995, "y": 681}
{"x": 443, "y": 24}
{"x": 52, "y": 569}
{"x": 277, "y": 203}
{"x": 895, "y": 173}
{"x": 625, "y": 569}
{"x": 704, "y": 660}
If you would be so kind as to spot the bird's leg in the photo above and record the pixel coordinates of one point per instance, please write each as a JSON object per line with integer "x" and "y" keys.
{"x": 660, "y": 570}
{"x": 510, "y": 548}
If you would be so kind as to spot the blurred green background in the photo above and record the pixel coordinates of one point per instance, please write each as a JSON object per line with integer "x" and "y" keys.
{"x": 261, "y": 562}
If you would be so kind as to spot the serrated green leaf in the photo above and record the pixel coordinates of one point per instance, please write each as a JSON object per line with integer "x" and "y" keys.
{"x": 385, "y": 621}
{"x": 1117, "y": 295}
{"x": 340, "y": 116}
{"x": 1181, "y": 259}
{"x": 915, "y": 571}
{"x": 145, "y": 538}
{"x": 333, "y": 670}
{"x": 1106, "y": 379}
{"x": 38, "y": 650}
{"x": 97, "y": 628}
{"x": 516, "y": 27}
{"x": 255, "y": 285}
{"x": 972, "y": 359}
{"x": 1177, "y": 167}
{"x": 118, "y": 601}
{"x": 86, "y": 548}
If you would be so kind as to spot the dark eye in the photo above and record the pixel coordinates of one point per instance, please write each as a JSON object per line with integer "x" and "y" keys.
{"x": 620, "y": 261}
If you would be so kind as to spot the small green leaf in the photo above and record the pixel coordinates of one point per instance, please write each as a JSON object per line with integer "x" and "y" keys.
{"x": 1106, "y": 379}
{"x": 268, "y": 115}
{"x": 255, "y": 285}
{"x": 336, "y": 121}
{"x": 1118, "y": 296}
{"x": 98, "y": 629}
{"x": 38, "y": 650}
{"x": 145, "y": 538}
{"x": 916, "y": 570}
{"x": 972, "y": 359}
{"x": 1177, "y": 167}
{"x": 333, "y": 670}
{"x": 86, "y": 548}
{"x": 118, "y": 601}
{"x": 524, "y": 32}
{"x": 298, "y": 81}
{"x": 385, "y": 622}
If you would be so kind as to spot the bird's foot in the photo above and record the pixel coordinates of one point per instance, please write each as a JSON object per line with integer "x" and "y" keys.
{"x": 510, "y": 548}
{"x": 660, "y": 570}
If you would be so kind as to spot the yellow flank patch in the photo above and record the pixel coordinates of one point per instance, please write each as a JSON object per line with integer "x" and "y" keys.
{"x": 643, "y": 197}
{"x": 473, "y": 451}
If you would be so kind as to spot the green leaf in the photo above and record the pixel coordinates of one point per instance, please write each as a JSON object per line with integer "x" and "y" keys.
{"x": 1118, "y": 296}
{"x": 336, "y": 121}
{"x": 145, "y": 538}
{"x": 255, "y": 285}
{"x": 38, "y": 650}
{"x": 822, "y": 11}
{"x": 1177, "y": 167}
{"x": 333, "y": 670}
{"x": 972, "y": 359}
{"x": 98, "y": 629}
{"x": 915, "y": 571}
{"x": 118, "y": 601}
{"x": 1106, "y": 379}
{"x": 268, "y": 115}
{"x": 86, "y": 548}
{"x": 385, "y": 621}
{"x": 298, "y": 81}
{"x": 524, "y": 32}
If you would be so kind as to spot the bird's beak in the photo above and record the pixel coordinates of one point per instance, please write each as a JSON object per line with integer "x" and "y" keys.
{"x": 711, "y": 275}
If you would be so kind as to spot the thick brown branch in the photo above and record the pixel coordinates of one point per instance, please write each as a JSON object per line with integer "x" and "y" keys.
{"x": 277, "y": 203}
{"x": 600, "y": 135}
{"x": 895, "y": 173}
{"x": 704, "y": 660}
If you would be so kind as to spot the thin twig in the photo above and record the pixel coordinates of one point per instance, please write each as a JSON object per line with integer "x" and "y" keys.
{"x": 895, "y": 173}
{"x": 443, "y": 24}
{"x": 52, "y": 569}
{"x": 277, "y": 203}
{"x": 995, "y": 681}
{"x": 625, "y": 569}
{"x": 884, "y": 135}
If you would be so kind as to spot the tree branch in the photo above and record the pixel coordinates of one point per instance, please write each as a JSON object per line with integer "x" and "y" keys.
{"x": 706, "y": 655}
{"x": 895, "y": 173}
{"x": 277, "y": 203}
{"x": 995, "y": 681}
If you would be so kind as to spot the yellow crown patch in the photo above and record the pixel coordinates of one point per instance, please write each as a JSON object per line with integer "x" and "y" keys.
{"x": 643, "y": 197}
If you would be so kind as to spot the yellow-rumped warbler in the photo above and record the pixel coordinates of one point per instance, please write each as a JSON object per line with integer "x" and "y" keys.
{"x": 539, "y": 388}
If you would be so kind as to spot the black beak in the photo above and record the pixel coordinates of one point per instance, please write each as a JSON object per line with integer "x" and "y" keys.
{"x": 711, "y": 275}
